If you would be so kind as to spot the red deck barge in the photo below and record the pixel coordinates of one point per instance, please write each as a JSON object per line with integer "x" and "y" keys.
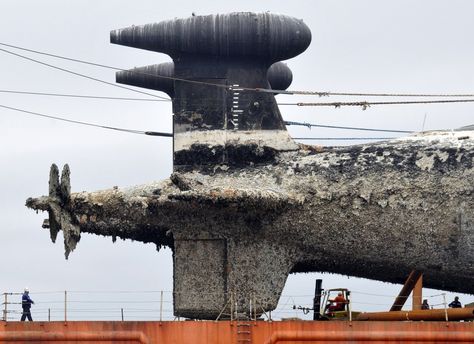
{"x": 236, "y": 332}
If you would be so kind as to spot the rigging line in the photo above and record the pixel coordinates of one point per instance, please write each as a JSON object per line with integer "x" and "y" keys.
{"x": 366, "y": 104}
{"x": 94, "y": 97}
{"x": 344, "y": 138}
{"x": 354, "y": 94}
{"x": 309, "y": 125}
{"x": 83, "y": 96}
{"x": 132, "y": 131}
{"x": 288, "y": 92}
{"x": 79, "y": 74}
{"x": 116, "y": 68}
{"x": 58, "y": 56}
{"x": 118, "y": 291}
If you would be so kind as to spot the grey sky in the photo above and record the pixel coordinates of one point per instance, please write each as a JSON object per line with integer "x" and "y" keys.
{"x": 359, "y": 46}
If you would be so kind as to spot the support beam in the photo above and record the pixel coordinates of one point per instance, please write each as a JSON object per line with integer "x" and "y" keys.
{"x": 454, "y": 314}
{"x": 417, "y": 294}
{"x": 402, "y": 297}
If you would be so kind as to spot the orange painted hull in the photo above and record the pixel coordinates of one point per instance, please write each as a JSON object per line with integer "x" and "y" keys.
{"x": 227, "y": 332}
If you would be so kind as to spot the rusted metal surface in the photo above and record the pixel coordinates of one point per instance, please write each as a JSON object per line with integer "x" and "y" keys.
{"x": 226, "y": 332}
{"x": 372, "y": 336}
{"x": 454, "y": 314}
{"x": 75, "y": 336}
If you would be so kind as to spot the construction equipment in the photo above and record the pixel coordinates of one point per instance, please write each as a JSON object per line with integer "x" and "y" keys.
{"x": 332, "y": 304}
{"x": 335, "y": 304}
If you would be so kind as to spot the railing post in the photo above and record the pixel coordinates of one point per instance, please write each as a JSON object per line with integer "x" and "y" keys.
{"x": 250, "y": 308}
{"x": 349, "y": 308}
{"x": 236, "y": 307}
{"x": 255, "y": 306}
{"x": 65, "y": 306}
{"x": 121, "y": 310}
{"x": 231, "y": 306}
{"x": 445, "y": 307}
{"x": 161, "y": 305}
{"x": 49, "y": 314}
{"x": 5, "y": 307}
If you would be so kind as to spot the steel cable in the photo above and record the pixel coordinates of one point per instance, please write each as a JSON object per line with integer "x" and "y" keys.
{"x": 365, "y": 104}
{"x": 81, "y": 75}
{"x": 288, "y": 92}
{"x": 83, "y": 96}
{"x": 310, "y": 125}
{"x": 132, "y": 131}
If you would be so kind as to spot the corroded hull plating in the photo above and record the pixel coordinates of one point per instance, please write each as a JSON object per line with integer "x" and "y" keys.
{"x": 224, "y": 332}
{"x": 396, "y": 206}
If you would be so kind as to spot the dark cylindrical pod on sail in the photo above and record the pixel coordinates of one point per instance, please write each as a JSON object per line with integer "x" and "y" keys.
{"x": 264, "y": 36}
{"x": 220, "y": 64}
{"x": 279, "y": 76}
{"x": 155, "y": 77}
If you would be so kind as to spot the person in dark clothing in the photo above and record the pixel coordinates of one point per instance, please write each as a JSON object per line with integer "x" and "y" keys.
{"x": 455, "y": 303}
{"x": 26, "y": 303}
{"x": 425, "y": 304}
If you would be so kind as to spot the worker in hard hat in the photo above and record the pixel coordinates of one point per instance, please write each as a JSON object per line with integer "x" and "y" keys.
{"x": 26, "y": 303}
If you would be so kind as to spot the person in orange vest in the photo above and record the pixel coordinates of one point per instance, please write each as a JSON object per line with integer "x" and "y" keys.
{"x": 336, "y": 304}
{"x": 340, "y": 302}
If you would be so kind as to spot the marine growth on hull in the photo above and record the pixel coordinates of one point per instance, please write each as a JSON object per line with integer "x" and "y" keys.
{"x": 247, "y": 204}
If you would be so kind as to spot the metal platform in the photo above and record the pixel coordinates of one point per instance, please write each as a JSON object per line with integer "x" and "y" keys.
{"x": 223, "y": 332}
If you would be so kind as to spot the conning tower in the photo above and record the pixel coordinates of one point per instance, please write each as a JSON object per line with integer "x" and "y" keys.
{"x": 218, "y": 62}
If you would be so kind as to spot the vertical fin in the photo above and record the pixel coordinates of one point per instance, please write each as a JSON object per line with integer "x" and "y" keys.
{"x": 59, "y": 218}
{"x": 54, "y": 186}
{"x": 65, "y": 186}
{"x": 54, "y": 181}
{"x": 54, "y": 227}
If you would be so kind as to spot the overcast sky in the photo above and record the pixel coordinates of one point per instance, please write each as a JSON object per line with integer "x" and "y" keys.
{"x": 358, "y": 46}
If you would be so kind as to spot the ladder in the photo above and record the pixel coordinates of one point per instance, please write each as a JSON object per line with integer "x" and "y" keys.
{"x": 244, "y": 332}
